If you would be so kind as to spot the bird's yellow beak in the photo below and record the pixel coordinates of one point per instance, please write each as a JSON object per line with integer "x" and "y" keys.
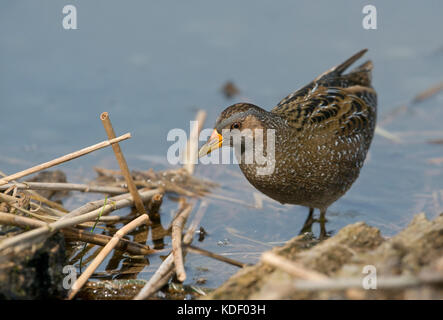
{"x": 214, "y": 142}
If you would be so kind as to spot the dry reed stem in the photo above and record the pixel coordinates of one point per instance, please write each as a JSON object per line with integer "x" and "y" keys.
{"x": 99, "y": 203}
{"x": 393, "y": 114}
{"x": 78, "y": 284}
{"x": 166, "y": 269}
{"x": 158, "y": 280}
{"x": 10, "y": 200}
{"x": 155, "y": 203}
{"x": 386, "y": 134}
{"x": 104, "y": 117}
{"x": 35, "y": 196}
{"x": 46, "y": 217}
{"x": 294, "y": 269}
{"x": 64, "y": 158}
{"x": 177, "y": 228}
{"x": 94, "y": 205}
{"x": 215, "y": 256}
{"x": 157, "y": 230}
{"x": 19, "y": 221}
{"x": 72, "y": 221}
{"x": 36, "y": 207}
{"x": 169, "y": 187}
{"x": 107, "y": 172}
{"x": 439, "y": 265}
{"x": 428, "y": 93}
{"x": 77, "y": 235}
{"x": 189, "y": 235}
{"x": 61, "y": 186}
{"x": 191, "y": 151}
{"x": 397, "y": 111}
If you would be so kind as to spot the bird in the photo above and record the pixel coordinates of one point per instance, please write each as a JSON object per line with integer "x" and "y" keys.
{"x": 321, "y": 136}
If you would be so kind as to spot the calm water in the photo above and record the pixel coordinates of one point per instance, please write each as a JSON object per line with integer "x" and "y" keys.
{"x": 151, "y": 65}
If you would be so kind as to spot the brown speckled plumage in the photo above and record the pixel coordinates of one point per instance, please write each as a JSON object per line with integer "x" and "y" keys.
{"x": 323, "y": 132}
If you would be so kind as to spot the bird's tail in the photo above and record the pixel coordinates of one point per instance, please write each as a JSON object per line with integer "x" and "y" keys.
{"x": 342, "y": 67}
{"x": 361, "y": 75}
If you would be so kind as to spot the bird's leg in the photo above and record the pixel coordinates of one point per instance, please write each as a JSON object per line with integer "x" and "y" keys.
{"x": 307, "y": 226}
{"x": 322, "y": 220}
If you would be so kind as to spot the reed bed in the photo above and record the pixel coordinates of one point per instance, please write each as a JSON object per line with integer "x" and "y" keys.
{"x": 21, "y": 205}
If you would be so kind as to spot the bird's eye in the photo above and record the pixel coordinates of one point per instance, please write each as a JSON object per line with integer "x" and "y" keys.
{"x": 235, "y": 125}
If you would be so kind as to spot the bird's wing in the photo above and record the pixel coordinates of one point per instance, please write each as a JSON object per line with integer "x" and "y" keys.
{"x": 333, "y": 101}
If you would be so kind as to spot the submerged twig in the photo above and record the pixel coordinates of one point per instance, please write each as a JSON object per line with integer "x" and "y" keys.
{"x": 236, "y": 234}
{"x": 215, "y": 256}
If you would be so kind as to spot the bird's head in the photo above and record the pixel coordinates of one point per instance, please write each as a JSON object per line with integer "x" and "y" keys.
{"x": 239, "y": 119}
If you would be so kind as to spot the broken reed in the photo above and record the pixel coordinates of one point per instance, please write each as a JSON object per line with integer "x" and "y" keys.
{"x": 64, "y": 158}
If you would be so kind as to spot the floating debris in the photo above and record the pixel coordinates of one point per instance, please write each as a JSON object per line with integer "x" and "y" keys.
{"x": 436, "y": 141}
{"x": 428, "y": 93}
{"x": 230, "y": 90}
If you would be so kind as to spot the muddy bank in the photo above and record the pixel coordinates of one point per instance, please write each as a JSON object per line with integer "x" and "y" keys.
{"x": 35, "y": 272}
{"x": 408, "y": 266}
